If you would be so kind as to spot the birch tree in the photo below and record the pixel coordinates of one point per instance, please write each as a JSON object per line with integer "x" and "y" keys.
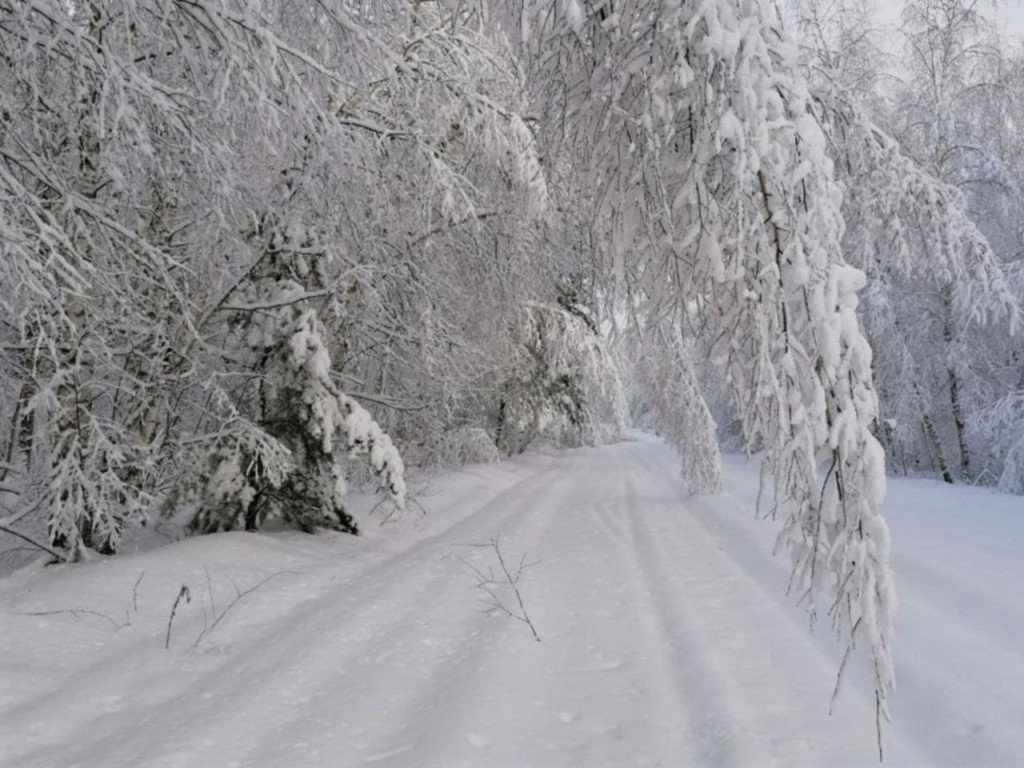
{"x": 694, "y": 125}
{"x": 221, "y": 220}
{"x": 937, "y": 287}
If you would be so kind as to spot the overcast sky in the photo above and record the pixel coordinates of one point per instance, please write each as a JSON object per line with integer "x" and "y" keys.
{"x": 1009, "y": 14}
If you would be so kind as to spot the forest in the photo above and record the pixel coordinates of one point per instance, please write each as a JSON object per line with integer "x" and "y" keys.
{"x": 254, "y": 253}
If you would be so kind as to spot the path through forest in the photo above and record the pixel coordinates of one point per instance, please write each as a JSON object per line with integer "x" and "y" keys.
{"x": 667, "y": 638}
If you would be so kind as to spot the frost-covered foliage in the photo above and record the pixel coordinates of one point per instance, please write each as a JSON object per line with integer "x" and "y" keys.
{"x": 225, "y": 226}
{"x": 666, "y": 377}
{"x": 1012, "y": 479}
{"x": 904, "y": 224}
{"x": 229, "y": 228}
{"x": 296, "y": 471}
{"x": 932, "y": 276}
{"x": 696, "y": 128}
{"x": 953, "y": 84}
{"x": 226, "y": 223}
{"x": 1002, "y": 424}
{"x": 563, "y": 382}
{"x": 90, "y": 296}
{"x": 466, "y": 445}
{"x": 930, "y": 203}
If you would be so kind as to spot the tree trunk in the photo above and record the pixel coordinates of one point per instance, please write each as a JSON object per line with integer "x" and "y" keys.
{"x": 961, "y": 428}
{"x": 936, "y": 444}
{"x": 955, "y": 388}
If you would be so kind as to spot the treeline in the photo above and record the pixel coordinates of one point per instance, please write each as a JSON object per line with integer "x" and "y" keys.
{"x": 924, "y": 125}
{"x": 231, "y": 231}
{"x": 250, "y": 251}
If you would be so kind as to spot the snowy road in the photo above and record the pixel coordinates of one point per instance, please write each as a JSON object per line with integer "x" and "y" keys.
{"x": 667, "y": 639}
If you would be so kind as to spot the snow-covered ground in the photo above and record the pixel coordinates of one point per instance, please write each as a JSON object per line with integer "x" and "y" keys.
{"x": 667, "y": 638}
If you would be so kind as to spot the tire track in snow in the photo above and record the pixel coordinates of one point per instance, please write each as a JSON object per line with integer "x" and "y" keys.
{"x": 675, "y": 714}
{"x": 980, "y": 705}
{"x": 648, "y": 656}
{"x": 685, "y": 659}
{"x": 959, "y": 621}
{"x": 462, "y": 696}
{"x": 932, "y": 608}
{"x": 370, "y": 598}
{"x": 554, "y": 697}
{"x": 739, "y": 585}
{"x": 984, "y": 607}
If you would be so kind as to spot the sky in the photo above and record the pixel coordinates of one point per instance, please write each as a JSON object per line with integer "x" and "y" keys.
{"x": 1009, "y": 14}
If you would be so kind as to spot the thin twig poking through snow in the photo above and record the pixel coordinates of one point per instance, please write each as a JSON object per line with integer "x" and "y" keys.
{"x": 878, "y": 725}
{"x": 75, "y": 612}
{"x": 239, "y": 594}
{"x": 209, "y": 626}
{"x": 492, "y": 583}
{"x": 183, "y": 592}
{"x": 135, "y": 592}
{"x": 395, "y": 508}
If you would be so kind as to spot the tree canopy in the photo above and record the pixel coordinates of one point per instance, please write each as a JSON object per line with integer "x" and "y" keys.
{"x": 253, "y": 252}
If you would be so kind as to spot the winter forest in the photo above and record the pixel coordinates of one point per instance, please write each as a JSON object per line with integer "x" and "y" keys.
{"x": 262, "y": 258}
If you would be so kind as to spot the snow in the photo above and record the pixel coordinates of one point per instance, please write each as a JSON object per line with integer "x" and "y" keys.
{"x": 667, "y": 638}
{"x": 574, "y": 16}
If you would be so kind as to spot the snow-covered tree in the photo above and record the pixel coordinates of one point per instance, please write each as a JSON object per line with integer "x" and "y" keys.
{"x": 280, "y": 451}
{"x": 926, "y": 260}
{"x": 228, "y": 228}
{"x": 665, "y": 376}
{"x": 938, "y": 297}
{"x": 562, "y": 381}
{"x": 954, "y": 62}
{"x": 87, "y": 296}
{"x": 696, "y": 128}
{"x": 172, "y": 171}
